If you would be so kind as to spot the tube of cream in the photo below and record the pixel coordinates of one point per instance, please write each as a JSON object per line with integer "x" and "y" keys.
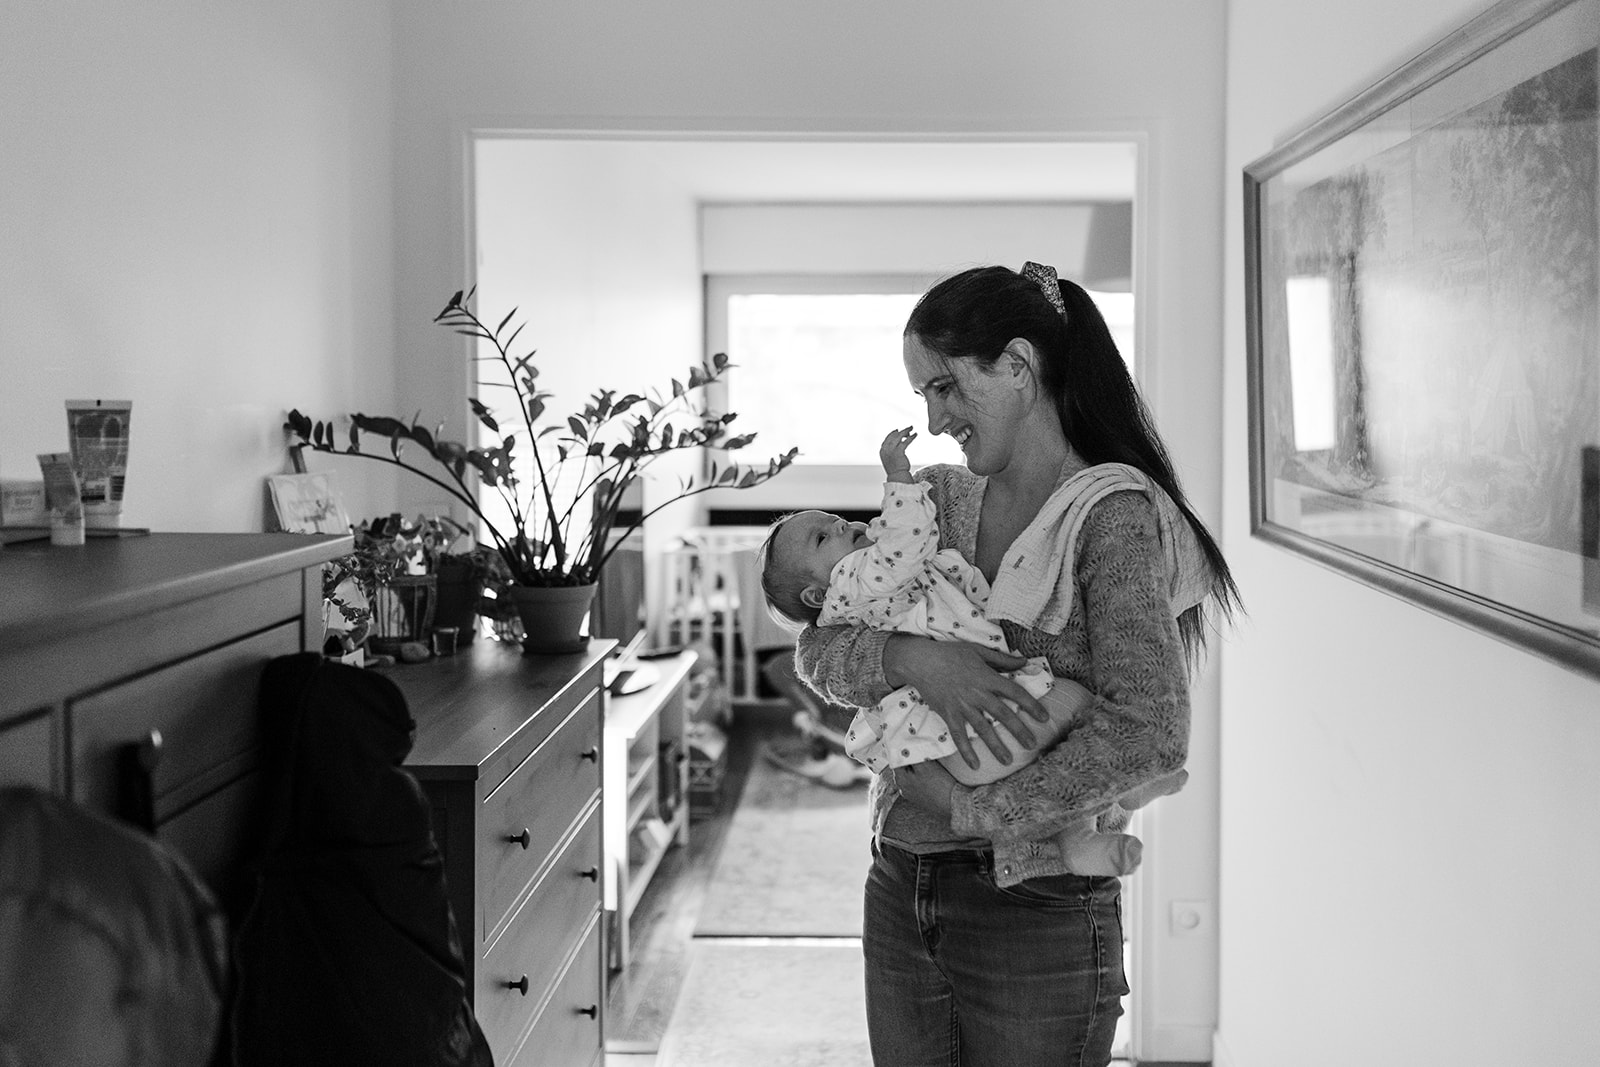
{"x": 98, "y": 433}
{"x": 62, "y": 497}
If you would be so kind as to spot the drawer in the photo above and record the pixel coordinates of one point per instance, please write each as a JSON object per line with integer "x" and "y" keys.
{"x": 569, "y": 1031}
{"x": 219, "y": 837}
{"x": 27, "y": 756}
{"x": 539, "y": 938}
{"x": 205, "y": 709}
{"x": 526, "y": 817}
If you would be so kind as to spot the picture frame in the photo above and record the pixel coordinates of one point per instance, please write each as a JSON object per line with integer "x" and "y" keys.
{"x": 1422, "y": 298}
{"x": 308, "y": 503}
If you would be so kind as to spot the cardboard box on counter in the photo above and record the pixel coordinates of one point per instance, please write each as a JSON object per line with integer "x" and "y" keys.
{"x": 22, "y": 503}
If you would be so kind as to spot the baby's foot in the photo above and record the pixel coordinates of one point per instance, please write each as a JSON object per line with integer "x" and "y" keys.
{"x": 1161, "y": 787}
{"x": 1102, "y": 855}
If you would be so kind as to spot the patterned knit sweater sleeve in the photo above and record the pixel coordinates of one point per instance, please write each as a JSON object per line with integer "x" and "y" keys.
{"x": 1130, "y": 655}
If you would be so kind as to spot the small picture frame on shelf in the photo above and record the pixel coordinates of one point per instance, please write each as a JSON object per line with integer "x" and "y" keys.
{"x": 308, "y": 503}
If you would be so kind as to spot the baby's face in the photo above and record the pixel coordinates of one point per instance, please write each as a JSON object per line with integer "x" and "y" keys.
{"x": 813, "y": 541}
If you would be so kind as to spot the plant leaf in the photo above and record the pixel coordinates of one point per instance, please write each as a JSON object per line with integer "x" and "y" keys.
{"x": 485, "y": 416}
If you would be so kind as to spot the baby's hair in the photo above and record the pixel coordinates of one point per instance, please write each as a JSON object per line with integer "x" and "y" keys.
{"x": 782, "y": 588}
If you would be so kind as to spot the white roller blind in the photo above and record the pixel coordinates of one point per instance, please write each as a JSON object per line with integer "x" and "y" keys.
{"x": 934, "y": 239}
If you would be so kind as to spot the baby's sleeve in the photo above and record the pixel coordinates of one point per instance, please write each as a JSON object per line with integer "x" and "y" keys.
{"x": 905, "y": 532}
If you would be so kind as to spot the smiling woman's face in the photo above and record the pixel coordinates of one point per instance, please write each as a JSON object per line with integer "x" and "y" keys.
{"x": 979, "y": 408}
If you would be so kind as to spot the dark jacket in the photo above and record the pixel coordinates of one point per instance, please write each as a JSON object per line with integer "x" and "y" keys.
{"x": 349, "y": 952}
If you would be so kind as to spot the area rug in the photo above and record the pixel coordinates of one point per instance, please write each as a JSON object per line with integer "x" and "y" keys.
{"x": 779, "y": 1004}
{"x": 793, "y": 863}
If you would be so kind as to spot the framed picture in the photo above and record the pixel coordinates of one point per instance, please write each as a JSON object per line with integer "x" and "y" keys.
{"x": 308, "y": 503}
{"x": 1422, "y": 279}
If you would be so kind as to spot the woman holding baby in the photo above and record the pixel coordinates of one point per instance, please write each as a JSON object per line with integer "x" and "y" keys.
{"x": 982, "y": 946}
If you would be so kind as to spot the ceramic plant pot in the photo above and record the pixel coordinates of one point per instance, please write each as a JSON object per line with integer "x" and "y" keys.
{"x": 552, "y": 616}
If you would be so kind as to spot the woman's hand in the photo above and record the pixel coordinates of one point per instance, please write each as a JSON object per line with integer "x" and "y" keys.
{"x": 927, "y": 785}
{"x": 960, "y": 682}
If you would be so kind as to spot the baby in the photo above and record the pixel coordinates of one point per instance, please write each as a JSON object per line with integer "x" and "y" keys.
{"x": 892, "y": 575}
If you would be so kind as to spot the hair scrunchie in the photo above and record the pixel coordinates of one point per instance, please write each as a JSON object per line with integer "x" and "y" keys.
{"x": 1045, "y": 278}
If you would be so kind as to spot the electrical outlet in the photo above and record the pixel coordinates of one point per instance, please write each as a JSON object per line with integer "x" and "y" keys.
{"x": 1189, "y": 917}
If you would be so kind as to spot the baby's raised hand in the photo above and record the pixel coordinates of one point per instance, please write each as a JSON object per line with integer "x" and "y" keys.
{"x": 893, "y": 454}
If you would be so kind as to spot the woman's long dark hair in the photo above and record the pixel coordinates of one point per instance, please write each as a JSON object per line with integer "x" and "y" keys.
{"x": 975, "y": 314}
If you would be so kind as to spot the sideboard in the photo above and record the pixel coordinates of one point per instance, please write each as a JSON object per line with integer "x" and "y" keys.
{"x": 129, "y": 677}
{"x": 508, "y": 748}
{"x": 147, "y": 650}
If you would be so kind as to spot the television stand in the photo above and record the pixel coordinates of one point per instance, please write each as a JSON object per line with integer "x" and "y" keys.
{"x": 646, "y": 784}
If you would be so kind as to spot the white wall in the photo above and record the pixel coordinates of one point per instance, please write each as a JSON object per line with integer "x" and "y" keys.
{"x": 195, "y": 214}
{"x": 1409, "y": 808}
{"x": 604, "y": 269}
{"x": 1149, "y": 68}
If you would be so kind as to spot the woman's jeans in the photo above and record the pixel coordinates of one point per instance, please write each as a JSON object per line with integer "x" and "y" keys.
{"x": 963, "y": 973}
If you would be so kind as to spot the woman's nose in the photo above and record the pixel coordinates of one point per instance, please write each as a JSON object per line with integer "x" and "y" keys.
{"x": 937, "y": 418}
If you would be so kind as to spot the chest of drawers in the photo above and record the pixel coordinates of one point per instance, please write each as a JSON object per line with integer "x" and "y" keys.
{"x": 152, "y": 647}
{"x": 508, "y": 748}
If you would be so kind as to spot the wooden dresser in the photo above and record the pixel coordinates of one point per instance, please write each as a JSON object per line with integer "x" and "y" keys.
{"x": 509, "y": 750}
{"x": 150, "y": 649}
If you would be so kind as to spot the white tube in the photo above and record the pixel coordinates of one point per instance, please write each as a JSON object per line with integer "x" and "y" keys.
{"x": 98, "y": 433}
{"x": 62, "y": 498}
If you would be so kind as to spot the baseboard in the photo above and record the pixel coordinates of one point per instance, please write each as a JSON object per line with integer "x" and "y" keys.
{"x": 1174, "y": 1045}
{"x": 1220, "y": 1055}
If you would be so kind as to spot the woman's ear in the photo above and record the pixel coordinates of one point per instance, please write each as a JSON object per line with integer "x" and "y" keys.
{"x": 812, "y": 596}
{"x": 1020, "y": 360}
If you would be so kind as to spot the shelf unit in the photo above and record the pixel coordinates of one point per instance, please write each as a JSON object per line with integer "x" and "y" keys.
{"x": 646, "y": 768}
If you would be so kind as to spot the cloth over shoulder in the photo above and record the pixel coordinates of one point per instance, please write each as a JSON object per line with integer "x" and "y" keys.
{"x": 1034, "y": 587}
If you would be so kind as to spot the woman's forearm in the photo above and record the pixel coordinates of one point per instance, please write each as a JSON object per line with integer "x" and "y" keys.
{"x": 1137, "y": 729}
{"x": 844, "y": 664}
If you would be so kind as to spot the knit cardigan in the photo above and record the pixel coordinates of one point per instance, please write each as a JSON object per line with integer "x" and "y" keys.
{"x": 1120, "y": 641}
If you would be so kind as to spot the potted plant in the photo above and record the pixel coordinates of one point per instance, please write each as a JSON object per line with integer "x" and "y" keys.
{"x": 384, "y": 553}
{"x": 554, "y": 527}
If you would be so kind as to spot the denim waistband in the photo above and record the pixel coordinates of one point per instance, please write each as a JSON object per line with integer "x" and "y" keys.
{"x": 984, "y": 855}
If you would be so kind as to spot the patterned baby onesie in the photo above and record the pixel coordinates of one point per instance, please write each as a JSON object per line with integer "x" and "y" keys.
{"x": 904, "y": 583}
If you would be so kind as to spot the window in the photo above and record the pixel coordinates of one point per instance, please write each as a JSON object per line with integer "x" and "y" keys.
{"x": 817, "y": 364}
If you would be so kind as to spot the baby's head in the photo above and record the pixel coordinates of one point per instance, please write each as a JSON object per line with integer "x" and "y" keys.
{"x": 797, "y": 559}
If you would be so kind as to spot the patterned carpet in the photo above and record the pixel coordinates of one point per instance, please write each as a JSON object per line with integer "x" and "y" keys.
{"x": 772, "y": 1004}
{"x": 793, "y": 863}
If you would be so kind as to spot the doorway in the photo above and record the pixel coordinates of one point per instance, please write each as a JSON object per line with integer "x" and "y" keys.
{"x": 605, "y": 243}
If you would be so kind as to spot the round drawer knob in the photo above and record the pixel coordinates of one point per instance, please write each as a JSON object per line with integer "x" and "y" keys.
{"x": 520, "y": 985}
{"x": 150, "y": 751}
{"x": 524, "y": 839}
{"x": 593, "y": 874}
{"x": 592, "y": 755}
{"x": 592, "y": 1011}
